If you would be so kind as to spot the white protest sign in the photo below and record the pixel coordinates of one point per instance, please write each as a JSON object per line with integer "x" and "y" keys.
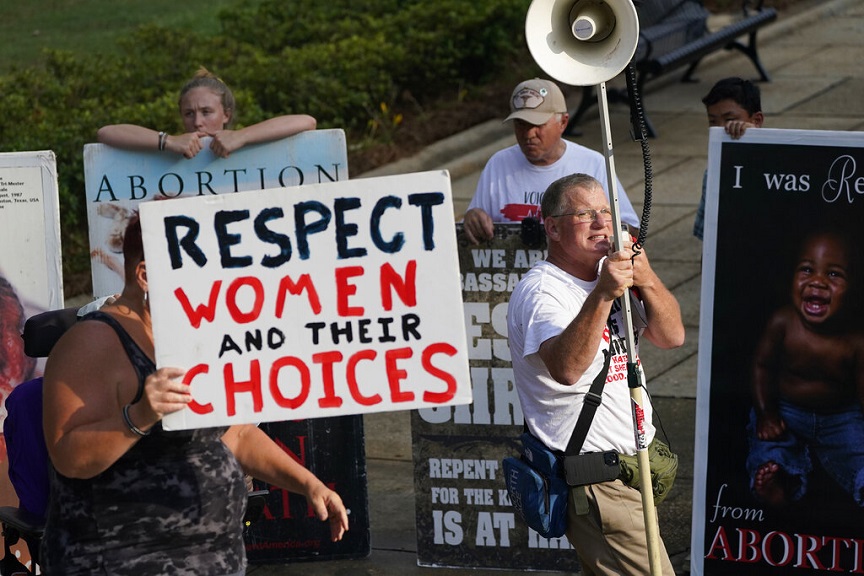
{"x": 314, "y": 301}
{"x": 117, "y": 180}
{"x": 31, "y": 278}
{"x": 30, "y": 255}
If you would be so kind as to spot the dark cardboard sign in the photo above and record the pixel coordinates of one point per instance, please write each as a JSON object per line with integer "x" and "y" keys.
{"x": 333, "y": 449}
{"x": 464, "y": 515}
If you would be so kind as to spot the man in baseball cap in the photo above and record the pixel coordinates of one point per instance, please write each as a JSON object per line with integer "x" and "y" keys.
{"x": 536, "y": 101}
{"x": 514, "y": 180}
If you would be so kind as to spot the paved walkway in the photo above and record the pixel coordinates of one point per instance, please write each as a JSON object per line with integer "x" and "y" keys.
{"x": 814, "y": 58}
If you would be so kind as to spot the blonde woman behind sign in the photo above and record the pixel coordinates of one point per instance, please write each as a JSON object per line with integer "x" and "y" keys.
{"x": 207, "y": 108}
{"x": 128, "y": 497}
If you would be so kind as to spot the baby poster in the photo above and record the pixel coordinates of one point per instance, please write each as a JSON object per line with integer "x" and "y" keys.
{"x": 779, "y": 470}
{"x": 314, "y": 301}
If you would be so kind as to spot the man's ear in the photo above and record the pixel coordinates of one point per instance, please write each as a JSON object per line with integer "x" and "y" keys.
{"x": 551, "y": 227}
{"x": 563, "y": 120}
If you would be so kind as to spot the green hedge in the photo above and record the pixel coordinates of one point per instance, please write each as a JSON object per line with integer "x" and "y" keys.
{"x": 349, "y": 63}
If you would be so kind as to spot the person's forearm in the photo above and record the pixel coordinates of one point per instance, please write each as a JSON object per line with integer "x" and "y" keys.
{"x": 263, "y": 459}
{"x": 665, "y": 327}
{"x": 129, "y": 136}
{"x": 568, "y": 355}
{"x": 277, "y": 128}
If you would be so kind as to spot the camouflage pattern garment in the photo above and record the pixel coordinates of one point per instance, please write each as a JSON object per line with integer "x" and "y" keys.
{"x": 173, "y": 504}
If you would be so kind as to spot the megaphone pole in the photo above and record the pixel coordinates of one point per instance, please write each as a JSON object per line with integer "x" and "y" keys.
{"x": 586, "y": 43}
{"x": 634, "y": 371}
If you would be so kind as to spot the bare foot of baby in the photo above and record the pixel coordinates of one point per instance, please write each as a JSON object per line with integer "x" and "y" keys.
{"x": 771, "y": 484}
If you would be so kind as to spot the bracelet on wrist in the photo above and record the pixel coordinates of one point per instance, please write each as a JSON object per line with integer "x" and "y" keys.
{"x": 135, "y": 430}
{"x": 163, "y": 138}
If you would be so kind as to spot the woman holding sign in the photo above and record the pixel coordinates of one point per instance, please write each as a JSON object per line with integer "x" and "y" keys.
{"x": 207, "y": 108}
{"x": 127, "y": 496}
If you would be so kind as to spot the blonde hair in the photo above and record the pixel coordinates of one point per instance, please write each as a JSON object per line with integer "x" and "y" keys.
{"x": 205, "y": 79}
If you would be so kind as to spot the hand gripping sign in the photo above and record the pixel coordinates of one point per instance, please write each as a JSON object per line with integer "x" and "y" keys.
{"x": 313, "y": 301}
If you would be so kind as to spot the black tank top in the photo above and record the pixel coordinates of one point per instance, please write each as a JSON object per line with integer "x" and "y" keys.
{"x": 173, "y": 504}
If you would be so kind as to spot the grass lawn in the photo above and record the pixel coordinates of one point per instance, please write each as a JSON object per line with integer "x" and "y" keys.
{"x": 29, "y": 26}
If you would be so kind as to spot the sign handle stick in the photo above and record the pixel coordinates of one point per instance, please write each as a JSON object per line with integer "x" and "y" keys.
{"x": 634, "y": 376}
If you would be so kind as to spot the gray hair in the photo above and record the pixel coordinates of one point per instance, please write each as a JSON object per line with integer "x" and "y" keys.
{"x": 554, "y": 201}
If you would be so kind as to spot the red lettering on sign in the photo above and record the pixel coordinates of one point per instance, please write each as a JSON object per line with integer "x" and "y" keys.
{"x": 344, "y": 290}
{"x": 431, "y": 350}
{"x": 253, "y": 386}
{"x": 351, "y": 376}
{"x": 334, "y": 370}
{"x": 202, "y": 312}
{"x": 187, "y": 379}
{"x": 327, "y": 359}
{"x": 396, "y": 374}
{"x": 721, "y": 544}
{"x": 305, "y": 382}
{"x": 287, "y": 285}
{"x": 237, "y": 315}
{"x": 404, "y": 286}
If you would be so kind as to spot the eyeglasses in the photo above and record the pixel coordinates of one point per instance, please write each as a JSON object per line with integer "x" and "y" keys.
{"x": 589, "y": 215}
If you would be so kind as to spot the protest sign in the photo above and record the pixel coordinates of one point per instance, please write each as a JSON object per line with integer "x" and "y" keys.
{"x": 288, "y": 529}
{"x": 30, "y": 229}
{"x": 780, "y": 344}
{"x": 463, "y": 512}
{"x": 312, "y": 301}
{"x": 31, "y": 279}
{"x": 117, "y": 180}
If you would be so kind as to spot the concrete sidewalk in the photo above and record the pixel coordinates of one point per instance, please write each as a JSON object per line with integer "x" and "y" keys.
{"x": 813, "y": 57}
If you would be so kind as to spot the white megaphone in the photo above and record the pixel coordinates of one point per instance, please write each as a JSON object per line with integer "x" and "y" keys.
{"x": 582, "y": 42}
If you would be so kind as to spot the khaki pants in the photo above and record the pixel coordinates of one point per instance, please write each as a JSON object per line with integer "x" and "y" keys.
{"x": 610, "y": 539}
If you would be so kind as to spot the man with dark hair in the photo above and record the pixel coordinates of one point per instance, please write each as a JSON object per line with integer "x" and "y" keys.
{"x": 734, "y": 104}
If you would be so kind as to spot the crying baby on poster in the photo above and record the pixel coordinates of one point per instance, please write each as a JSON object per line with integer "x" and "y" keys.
{"x": 319, "y": 308}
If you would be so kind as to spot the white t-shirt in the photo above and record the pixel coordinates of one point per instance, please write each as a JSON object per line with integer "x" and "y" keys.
{"x": 511, "y": 188}
{"x": 544, "y": 302}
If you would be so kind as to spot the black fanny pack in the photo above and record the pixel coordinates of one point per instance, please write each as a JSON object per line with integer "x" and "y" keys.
{"x": 591, "y": 468}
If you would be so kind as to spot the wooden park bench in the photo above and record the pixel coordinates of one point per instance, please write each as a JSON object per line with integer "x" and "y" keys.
{"x": 674, "y": 33}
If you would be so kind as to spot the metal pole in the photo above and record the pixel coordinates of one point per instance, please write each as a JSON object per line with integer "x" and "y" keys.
{"x": 634, "y": 371}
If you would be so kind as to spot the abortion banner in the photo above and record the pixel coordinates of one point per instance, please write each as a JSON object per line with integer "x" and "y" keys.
{"x": 463, "y": 512}
{"x": 313, "y": 301}
{"x": 779, "y": 470}
{"x": 117, "y": 180}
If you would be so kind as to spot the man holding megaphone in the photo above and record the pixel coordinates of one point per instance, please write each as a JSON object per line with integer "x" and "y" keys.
{"x": 564, "y": 322}
{"x": 512, "y": 184}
